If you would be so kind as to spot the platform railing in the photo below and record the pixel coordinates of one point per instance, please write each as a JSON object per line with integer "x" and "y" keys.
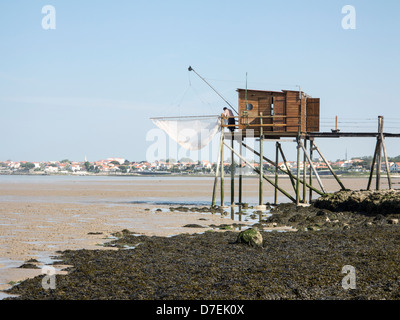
{"x": 246, "y": 122}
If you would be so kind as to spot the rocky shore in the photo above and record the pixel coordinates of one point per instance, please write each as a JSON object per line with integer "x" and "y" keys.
{"x": 340, "y": 211}
{"x": 384, "y": 202}
{"x": 302, "y": 265}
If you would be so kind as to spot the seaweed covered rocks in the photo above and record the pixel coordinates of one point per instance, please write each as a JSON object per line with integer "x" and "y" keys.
{"x": 384, "y": 202}
{"x": 296, "y": 265}
{"x": 216, "y": 266}
{"x": 324, "y": 216}
{"x": 251, "y": 237}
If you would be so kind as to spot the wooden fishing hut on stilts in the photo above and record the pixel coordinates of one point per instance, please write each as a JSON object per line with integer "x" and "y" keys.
{"x": 279, "y": 116}
{"x": 287, "y": 115}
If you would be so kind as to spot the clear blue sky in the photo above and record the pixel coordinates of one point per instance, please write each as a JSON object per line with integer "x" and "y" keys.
{"x": 89, "y": 87}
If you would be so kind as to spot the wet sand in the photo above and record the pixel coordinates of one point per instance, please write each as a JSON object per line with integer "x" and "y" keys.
{"x": 40, "y": 217}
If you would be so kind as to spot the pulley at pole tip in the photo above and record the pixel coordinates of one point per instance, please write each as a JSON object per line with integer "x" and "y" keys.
{"x": 190, "y": 68}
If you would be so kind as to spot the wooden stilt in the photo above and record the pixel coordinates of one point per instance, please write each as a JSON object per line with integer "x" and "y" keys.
{"x": 222, "y": 172}
{"x": 378, "y": 168}
{"x": 217, "y": 171}
{"x": 382, "y": 138}
{"x": 298, "y": 153}
{"x": 329, "y": 166}
{"x": 258, "y": 154}
{"x": 387, "y": 163}
{"x": 379, "y": 155}
{"x": 298, "y": 173}
{"x": 260, "y": 192}
{"x": 232, "y": 173}
{"x": 310, "y": 173}
{"x": 287, "y": 167}
{"x": 313, "y": 168}
{"x": 266, "y": 178}
{"x": 372, "y": 166}
{"x": 240, "y": 173}
{"x": 282, "y": 170}
{"x": 305, "y": 155}
{"x": 276, "y": 172}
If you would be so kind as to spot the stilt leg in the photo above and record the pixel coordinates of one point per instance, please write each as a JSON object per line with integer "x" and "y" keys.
{"x": 276, "y": 172}
{"x": 217, "y": 171}
{"x": 260, "y": 192}
{"x": 311, "y": 177}
{"x": 304, "y": 171}
{"x": 298, "y": 173}
{"x": 222, "y": 174}
{"x": 232, "y": 173}
{"x": 240, "y": 173}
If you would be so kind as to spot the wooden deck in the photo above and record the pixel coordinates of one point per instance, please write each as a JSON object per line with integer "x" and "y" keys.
{"x": 308, "y": 135}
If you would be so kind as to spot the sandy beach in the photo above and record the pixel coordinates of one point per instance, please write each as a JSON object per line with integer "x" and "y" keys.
{"x": 40, "y": 216}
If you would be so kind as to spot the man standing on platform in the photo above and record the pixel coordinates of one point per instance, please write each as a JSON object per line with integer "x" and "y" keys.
{"x": 231, "y": 120}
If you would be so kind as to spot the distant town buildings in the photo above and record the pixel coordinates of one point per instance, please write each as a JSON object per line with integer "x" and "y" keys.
{"x": 185, "y": 166}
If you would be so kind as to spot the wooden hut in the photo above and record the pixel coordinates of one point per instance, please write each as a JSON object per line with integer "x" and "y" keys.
{"x": 281, "y": 112}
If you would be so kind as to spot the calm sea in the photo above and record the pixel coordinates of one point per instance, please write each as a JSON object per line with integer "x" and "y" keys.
{"x": 118, "y": 183}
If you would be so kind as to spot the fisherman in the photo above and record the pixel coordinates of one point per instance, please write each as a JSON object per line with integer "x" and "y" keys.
{"x": 231, "y": 120}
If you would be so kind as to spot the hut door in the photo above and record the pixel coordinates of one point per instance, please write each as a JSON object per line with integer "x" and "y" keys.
{"x": 264, "y": 107}
{"x": 279, "y": 113}
{"x": 312, "y": 114}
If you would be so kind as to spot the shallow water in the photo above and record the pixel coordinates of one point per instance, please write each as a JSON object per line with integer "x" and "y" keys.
{"x": 118, "y": 184}
{"x": 43, "y": 258}
{"x": 75, "y": 178}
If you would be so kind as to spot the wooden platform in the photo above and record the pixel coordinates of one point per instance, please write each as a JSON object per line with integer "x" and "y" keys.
{"x": 309, "y": 135}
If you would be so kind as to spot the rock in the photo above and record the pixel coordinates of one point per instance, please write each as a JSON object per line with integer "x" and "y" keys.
{"x": 271, "y": 225}
{"x": 316, "y": 219}
{"x": 346, "y": 226}
{"x": 29, "y": 266}
{"x": 296, "y": 218}
{"x": 251, "y": 236}
{"x": 387, "y": 201}
{"x": 192, "y": 225}
{"x": 379, "y": 219}
{"x": 226, "y": 227}
{"x": 182, "y": 209}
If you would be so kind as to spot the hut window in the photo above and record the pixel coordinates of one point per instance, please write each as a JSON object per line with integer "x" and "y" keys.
{"x": 272, "y": 109}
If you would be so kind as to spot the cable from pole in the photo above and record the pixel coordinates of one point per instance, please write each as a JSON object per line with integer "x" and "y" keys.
{"x": 191, "y": 69}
